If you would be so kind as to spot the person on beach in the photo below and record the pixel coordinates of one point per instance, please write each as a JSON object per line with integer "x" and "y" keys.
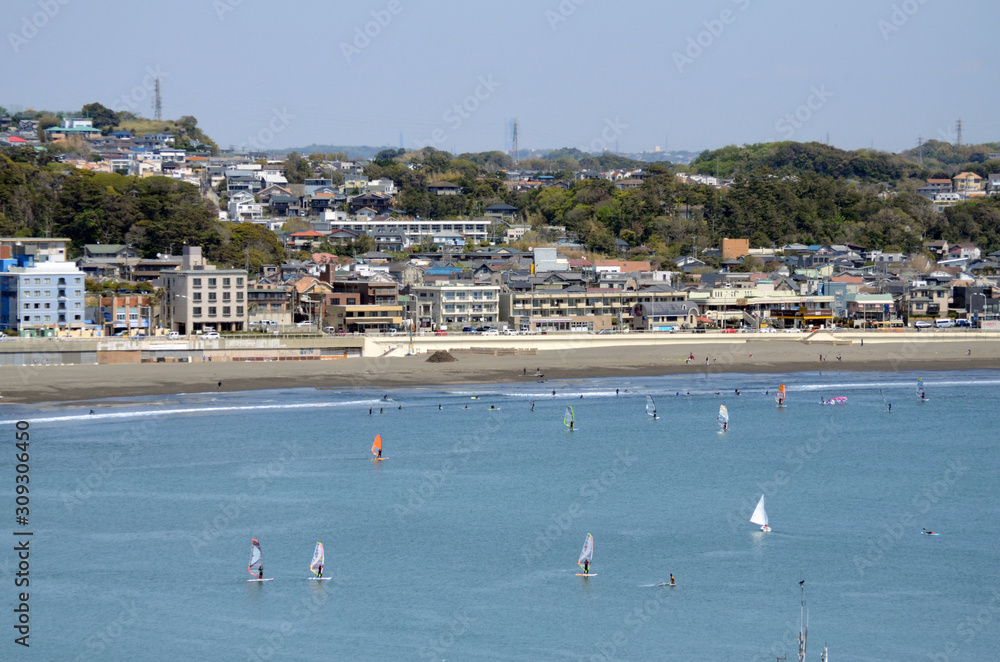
{"x": 968, "y": 353}
{"x": 220, "y": 386}
{"x": 706, "y": 360}
{"x": 524, "y": 372}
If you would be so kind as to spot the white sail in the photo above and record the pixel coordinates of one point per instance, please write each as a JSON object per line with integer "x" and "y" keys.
{"x": 588, "y": 550}
{"x": 569, "y": 418}
{"x": 317, "y": 559}
{"x": 650, "y": 406}
{"x": 723, "y": 415}
{"x": 759, "y": 516}
{"x": 255, "y": 556}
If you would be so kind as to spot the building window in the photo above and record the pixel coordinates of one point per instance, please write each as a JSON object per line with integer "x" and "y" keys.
{"x": 77, "y": 280}
{"x": 352, "y": 301}
{"x": 225, "y": 311}
{"x": 211, "y": 296}
{"x": 196, "y": 311}
{"x": 226, "y": 295}
{"x": 225, "y": 282}
{"x": 239, "y": 296}
{"x": 27, "y": 306}
{"x": 47, "y": 305}
{"x": 196, "y": 296}
{"x": 196, "y": 282}
{"x": 211, "y": 282}
{"x": 77, "y": 305}
{"x": 47, "y": 281}
{"x": 76, "y": 318}
{"x": 239, "y": 311}
{"x": 239, "y": 282}
{"x": 212, "y": 311}
{"x": 38, "y": 281}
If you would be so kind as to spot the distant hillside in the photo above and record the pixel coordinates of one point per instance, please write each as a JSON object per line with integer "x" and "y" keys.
{"x": 351, "y": 151}
{"x": 792, "y": 158}
{"x": 183, "y": 129}
{"x": 937, "y": 155}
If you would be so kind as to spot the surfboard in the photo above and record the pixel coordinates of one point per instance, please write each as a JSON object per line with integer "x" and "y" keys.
{"x": 266, "y": 579}
{"x": 318, "y": 579}
{"x": 666, "y": 584}
{"x": 584, "y": 574}
{"x": 930, "y": 533}
{"x": 377, "y": 459}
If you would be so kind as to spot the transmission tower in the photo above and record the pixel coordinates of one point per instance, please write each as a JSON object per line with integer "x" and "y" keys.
{"x": 514, "y": 144}
{"x": 157, "y": 102}
{"x": 958, "y": 131}
{"x": 920, "y": 149}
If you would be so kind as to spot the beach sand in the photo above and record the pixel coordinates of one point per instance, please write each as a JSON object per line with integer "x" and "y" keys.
{"x": 35, "y": 384}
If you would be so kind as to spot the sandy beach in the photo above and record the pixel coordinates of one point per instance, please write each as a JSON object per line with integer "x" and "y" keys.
{"x": 36, "y": 384}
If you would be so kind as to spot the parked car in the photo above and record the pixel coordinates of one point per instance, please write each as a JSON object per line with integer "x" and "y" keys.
{"x": 965, "y": 323}
{"x": 767, "y": 329}
{"x": 490, "y": 332}
{"x": 211, "y": 335}
{"x": 945, "y": 323}
{"x": 606, "y": 332}
{"x": 923, "y": 325}
{"x": 468, "y": 329}
{"x": 173, "y": 335}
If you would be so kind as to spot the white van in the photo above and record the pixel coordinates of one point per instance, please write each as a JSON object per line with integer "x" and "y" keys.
{"x": 944, "y": 323}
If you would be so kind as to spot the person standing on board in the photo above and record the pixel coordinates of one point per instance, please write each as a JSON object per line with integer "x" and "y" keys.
{"x": 319, "y": 572}
{"x": 586, "y": 566}
{"x": 260, "y": 571}
{"x": 380, "y": 452}
{"x": 672, "y": 582}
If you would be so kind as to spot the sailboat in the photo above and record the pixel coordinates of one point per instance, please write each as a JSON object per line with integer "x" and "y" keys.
{"x": 760, "y": 516}
{"x": 316, "y": 565}
{"x": 723, "y": 418}
{"x": 377, "y": 448}
{"x": 920, "y": 390}
{"x": 586, "y": 555}
{"x": 650, "y": 406}
{"x": 885, "y": 403}
{"x": 256, "y": 567}
{"x": 779, "y": 397}
{"x": 569, "y": 418}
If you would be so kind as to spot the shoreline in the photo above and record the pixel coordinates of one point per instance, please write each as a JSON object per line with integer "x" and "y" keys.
{"x": 83, "y": 383}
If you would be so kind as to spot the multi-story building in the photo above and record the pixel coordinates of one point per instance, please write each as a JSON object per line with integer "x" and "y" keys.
{"x": 45, "y": 247}
{"x": 576, "y": 308}
{"x": 198, "y": 295}
{"x": 415, "y": 229}
{"x": 362, "y": 305}
{"x": 39, "y": 297}
{"x": 457, "y": 305}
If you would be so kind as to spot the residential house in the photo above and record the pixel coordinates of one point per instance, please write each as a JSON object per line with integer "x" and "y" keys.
{"x": 664, "y": 316}
{"x": 967, "y": 182}
{"x": 443, "y": 188}
{"x": 502, "y": 212}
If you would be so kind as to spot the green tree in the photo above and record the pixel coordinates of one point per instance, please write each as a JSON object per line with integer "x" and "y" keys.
{"x": 296, "y": 169}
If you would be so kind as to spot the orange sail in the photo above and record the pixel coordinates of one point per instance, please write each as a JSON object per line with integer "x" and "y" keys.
{"x": 377, "y": 445}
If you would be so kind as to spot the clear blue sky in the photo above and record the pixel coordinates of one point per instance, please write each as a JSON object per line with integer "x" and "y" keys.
{"x": 575, "y": 73}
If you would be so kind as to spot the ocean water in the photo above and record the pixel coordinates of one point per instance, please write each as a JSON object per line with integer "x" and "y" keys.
{"x": 462, "y": 544}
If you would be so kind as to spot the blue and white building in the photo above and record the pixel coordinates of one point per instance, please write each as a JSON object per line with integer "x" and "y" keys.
{"x": 38, "y": 296}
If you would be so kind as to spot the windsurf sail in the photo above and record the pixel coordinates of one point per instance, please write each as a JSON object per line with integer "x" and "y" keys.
{"x": 723, "y": 416}
{"x": 885, "y": 403}
{"x": 839, "y": 400}
{"x": 568, "y": 418}
{"x": 255, "y": 558}
{"x": 779, "y": 397}
{"x": 317, "y": 561}
{"x": 920, "y": 388}
{"x": 588, "y": 551}
{"x": 377, "y": 445}
{"x": 650, "y": 406}
{"x": 759, "y": 516}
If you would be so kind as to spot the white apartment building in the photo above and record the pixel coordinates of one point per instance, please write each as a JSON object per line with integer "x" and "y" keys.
{"x": 415, "y": 229}
{"x": 455, "y": 305}
{"x": 198, "y": 295}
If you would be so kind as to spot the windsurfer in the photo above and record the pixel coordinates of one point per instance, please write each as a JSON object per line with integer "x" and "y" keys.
{"x": 260, "y": 571}
{"x": 380, "y": 452}
{"x": 571, "y": 424}
{"x": 672, "y": 582}
{"x": 319, "y": 570}
{"x": 532, "y": 405}
{"x": 586, "y": 566}
{"x": 725, "y": 426}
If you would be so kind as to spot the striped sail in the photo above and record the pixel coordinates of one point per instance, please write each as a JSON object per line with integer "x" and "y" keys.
{"x": 588, "y": 551}
{"x": 255, "y": 557}
{"x": 317, "y": 560}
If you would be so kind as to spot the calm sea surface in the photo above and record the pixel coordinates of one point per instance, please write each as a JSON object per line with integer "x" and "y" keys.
{"x": 462, "y": 544}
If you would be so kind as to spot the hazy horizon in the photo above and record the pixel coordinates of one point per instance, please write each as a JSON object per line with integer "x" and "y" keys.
{"x": 573, "y": 73}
